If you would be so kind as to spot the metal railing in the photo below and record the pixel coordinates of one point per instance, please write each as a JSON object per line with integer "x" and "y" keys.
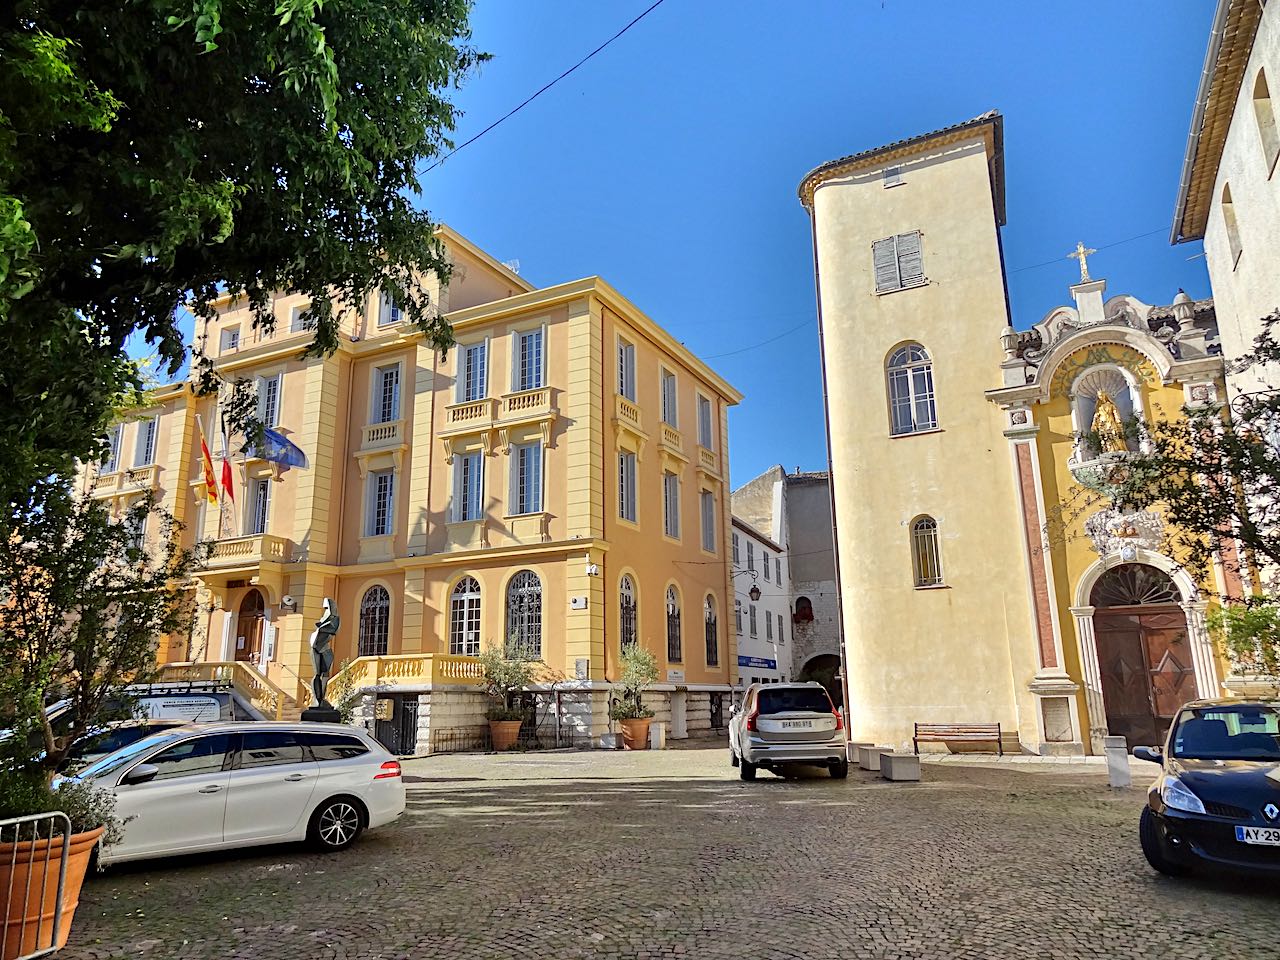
{"x": 38, "y": 847}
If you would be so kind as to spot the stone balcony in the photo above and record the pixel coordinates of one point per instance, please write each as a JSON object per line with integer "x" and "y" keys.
{"x": 123, "y": 482}
{"x": 671, "y": 447}
{"x": 708, "y": 461}
{"x": 500, "y": 416}
{"x": 382, "y": 436}
{"x": 245, "y": 552}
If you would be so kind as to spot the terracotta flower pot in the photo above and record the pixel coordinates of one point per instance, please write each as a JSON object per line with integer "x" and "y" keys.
{"x": 635, "y": 733}
{"x": 504, "y": 733}
{"x": 32, "y": 865}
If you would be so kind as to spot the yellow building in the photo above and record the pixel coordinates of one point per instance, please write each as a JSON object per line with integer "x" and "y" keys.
{"x": 985, "y": 575}
{"x": 556, "y": 483}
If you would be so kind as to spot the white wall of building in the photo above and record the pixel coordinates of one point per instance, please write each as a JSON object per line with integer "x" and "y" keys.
{"x": 764, "y": 653}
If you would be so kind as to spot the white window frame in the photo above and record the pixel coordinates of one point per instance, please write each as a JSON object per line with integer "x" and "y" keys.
{"x": 468, "y": 500}
{"x": 296, "y": 323}
{"x": 627, "y": 475}
{"x": 526, "y": 497}
{"x": 465, "y": 617}
{"x": 669, "y": 389}
{"x": 706, "y": 422}
{"x": 907, "y": 376}
{"x": 375, "y": 400}
{"x": 461, "y": 374}
{"x": 626, "y": 368}
{"x": 671, "y": 505}
{"x": 389, "y": 312}
{"x": 517, "y": 338}
{"x": 371, "y": 526}
{"x": 257, "y": 486}
{"x": 229, "y": 338}
{"x": 273, "y": 421}
{"x": 144, "y": 455}
{"x": 115, "y": 440}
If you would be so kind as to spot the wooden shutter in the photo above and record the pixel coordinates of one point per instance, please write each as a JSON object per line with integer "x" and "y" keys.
{"x": 910, "y": 259}
{"x": 884, "y": 256}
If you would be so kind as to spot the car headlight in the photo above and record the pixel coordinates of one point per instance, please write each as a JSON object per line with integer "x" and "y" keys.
{"x": 1178, "y": 795}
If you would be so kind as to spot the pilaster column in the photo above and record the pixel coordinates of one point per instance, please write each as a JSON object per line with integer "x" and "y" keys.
{"x": 1202, "y": 659}
{"x": 1097, "y": 720}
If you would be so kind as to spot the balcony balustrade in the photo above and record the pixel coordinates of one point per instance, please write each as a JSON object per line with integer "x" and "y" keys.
{"x": 247, "y": 551}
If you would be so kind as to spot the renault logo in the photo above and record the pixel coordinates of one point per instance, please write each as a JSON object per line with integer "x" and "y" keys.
{"x": 1271, "y": 810}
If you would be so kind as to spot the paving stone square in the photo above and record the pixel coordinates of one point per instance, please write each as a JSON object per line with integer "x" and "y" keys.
{"x": 668, "y": 854}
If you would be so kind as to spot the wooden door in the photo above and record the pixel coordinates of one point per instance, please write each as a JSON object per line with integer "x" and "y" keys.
{"x": 248, "y": 636}
{"x": 1145, "y": 661}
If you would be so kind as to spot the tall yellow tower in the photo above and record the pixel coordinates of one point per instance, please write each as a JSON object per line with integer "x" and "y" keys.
{"x": 932, "y": 569}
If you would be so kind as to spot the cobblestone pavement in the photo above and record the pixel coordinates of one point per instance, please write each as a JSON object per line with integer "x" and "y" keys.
{"x": 567, "y": 855}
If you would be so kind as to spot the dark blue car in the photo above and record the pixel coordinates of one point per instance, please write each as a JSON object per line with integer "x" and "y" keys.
{"x": 1217, "y": 800}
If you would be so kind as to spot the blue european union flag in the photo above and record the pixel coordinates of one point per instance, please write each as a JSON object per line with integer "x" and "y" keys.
{"x": 276, "y": 448}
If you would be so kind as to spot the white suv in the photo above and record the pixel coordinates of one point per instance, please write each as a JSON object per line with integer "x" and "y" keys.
{"x": 780, "y": 724}
{"x": 241, "y": 784}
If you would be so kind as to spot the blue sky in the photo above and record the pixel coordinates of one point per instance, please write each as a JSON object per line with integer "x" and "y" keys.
{"x": 668, "y": 164}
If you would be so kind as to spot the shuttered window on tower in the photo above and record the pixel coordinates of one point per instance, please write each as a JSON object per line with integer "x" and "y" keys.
{"x": 898, "y": 262}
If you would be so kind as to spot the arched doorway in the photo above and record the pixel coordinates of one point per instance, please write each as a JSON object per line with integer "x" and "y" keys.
{"x": 1145, "y": 659}
{"x": 248, "y": 643}
{"x": 825, "y": 669}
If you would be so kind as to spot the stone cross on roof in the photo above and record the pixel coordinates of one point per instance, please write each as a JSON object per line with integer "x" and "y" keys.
{"x": 1081, "y": 253}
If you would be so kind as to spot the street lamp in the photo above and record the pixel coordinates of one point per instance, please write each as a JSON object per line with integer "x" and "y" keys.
{"x": 754, "y": 592}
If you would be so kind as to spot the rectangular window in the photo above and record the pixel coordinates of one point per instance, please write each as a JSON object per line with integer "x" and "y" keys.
{"x": 751, "y": 555}
{"x": 735, "y": 548}
{"x": 669, "y": 398}
{"x": 777, "y": 571}
{"x": 298, "y": 321}
{"x": 765, "y": 556}
{"x": 381, "y": 503}
{"x": 528, "y": 373}
{"x": 751, "y": 618}
{"x": 144, "y": 452}
{"x": 627, "y": 486}
{"x": 627, "y": 369}
{"x": 671, "y": 505}
{"x": 768, "y": 625}
{"x": 898, "y": 262}
{"x": 269, "y": 401}
{"x": 387, "y": 394}
{"x": 468, "y": 485}
{"x": 526, "y": 477}
{"x": 472, "y": 372}
{"x": 781, "y": 636}
{"x": 389, "y": 311}
{"x": 708, "y": 500}
{"x": 230, "y": 338}
{"x": 892, "y": 176}
{"x": 259, "y": 506}
{"x": 737, "y": 616}
{"x": 704, "y": 423}
{"x": 111, "y": 460}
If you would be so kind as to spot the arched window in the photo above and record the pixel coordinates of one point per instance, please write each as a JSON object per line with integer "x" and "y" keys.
{"x": 375, "y": 622}
{"x": 926, "y": 557}
{"x": 1233, "y": 228}
{"x": 464, "y": 618}
{"x": 709, "y": 628}
{"x": 911, "y": 404}
{"x": 1265, "y": 114}
{"x": 1132, "y": 584}
{"x": 627, "y": 612}
{"x": 674, "y": 653}
{"x": 524, "y": 616}
{"x": 804, "y": 610}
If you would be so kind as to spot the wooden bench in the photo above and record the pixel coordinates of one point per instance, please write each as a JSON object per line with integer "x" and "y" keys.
{"x": 952, "y": 732}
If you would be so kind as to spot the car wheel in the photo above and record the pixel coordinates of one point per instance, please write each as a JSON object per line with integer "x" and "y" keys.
{"x": 747, "y": 771}
{"x": 1153, "y": 849}
{"x": 839, "y": 769}
{"x": 336, "y": 824}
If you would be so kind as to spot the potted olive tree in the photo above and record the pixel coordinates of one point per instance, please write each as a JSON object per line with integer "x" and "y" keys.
{"x": 639, "y": 672}
{"x": 504, "y": 677}
{"x": 82, "y": 608}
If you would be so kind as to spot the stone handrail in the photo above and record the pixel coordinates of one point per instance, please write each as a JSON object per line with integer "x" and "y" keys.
{"x": 537, "y": 400}
{"x": 469, "y": 412}
{"x": 628, "y": 412}
{"x": 707, "y": 458}
{"x": 408, "y": 669}
{"x": 266, "y": 697}
{"x": 672, "y": 437}
{"x": 233, "y": 550}
{"x": 382, "y": 434}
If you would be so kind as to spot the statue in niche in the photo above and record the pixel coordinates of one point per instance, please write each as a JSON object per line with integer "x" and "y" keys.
{"x": 1107, "y": 426}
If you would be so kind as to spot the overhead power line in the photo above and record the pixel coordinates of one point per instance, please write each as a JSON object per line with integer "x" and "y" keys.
{"x": 545, "y": 88}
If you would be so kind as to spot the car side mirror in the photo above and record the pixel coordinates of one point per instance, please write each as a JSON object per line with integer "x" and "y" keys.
{"x": 1151, "y": 754}
{"x": 142, "y": 773}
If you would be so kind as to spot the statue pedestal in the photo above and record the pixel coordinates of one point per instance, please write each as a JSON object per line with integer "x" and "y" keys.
{"x": 321, "y": 715}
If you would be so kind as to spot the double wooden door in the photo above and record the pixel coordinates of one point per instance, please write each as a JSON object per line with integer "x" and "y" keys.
{"x": 1147, "y": 672}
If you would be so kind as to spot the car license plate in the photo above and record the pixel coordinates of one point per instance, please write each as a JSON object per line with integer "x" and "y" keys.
{"x": 1266, "y": 836}
{"x": 797, "y": 724}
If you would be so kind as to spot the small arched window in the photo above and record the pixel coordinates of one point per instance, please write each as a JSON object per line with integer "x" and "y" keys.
{"x": 627, "y": 612}
{"x": 674, "y": 652}
{"x": 464, "y": 618}
{"x": 1265, "y": 114}
{"x": 926, "y": 556}
{"x": 375, "y": 622}
{"x": 709, "y": 628}
{"x": 1233, "y": 227}
{"x": 524, "y": 616}
{"x": 911, "y": 403}
{"x": 804, "y": 610}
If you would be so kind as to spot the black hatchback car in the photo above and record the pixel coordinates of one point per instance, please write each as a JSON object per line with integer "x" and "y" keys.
{"x": 1217, "y": 799}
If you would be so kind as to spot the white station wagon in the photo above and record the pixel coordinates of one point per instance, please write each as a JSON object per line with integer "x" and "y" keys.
{"x": 240, "y": 784}
{"x": 780, "y": 724}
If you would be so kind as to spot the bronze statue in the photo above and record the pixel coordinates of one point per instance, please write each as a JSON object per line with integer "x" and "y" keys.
{"x": 322, "y": 653}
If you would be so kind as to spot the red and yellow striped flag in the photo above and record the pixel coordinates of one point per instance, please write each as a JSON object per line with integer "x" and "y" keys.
{"x": 210, "y": 481}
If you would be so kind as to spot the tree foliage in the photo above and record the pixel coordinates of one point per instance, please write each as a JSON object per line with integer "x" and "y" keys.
{"x": 156, "y": 152}
{"x": 82, "y": 610}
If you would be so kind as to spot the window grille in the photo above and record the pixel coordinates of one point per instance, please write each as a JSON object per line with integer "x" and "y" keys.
{"x": 375, "y": 622}
{"x": 524, "y": 616}
{"x": 709, "y": 626}
{"x": 674, "y": 652}
{"x": 925, "y": 552}
{"x": 627, "y": 612}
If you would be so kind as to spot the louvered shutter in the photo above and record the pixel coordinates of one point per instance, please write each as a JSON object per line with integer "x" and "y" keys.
{"x": 884, "y": 256}
{"x": 910, "y": 259}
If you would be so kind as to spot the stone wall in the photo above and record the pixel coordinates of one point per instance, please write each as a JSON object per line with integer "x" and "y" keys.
{"x": 823, "y": 634}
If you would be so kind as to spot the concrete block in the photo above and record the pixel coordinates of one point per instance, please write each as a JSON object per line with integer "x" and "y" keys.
{"x": 899, "y": 766}
{"x": 1117, "y": 752}
{"x": 657, "y": 736}
{"x": 853, "y": 749}
{"x": 869, "y": 757}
